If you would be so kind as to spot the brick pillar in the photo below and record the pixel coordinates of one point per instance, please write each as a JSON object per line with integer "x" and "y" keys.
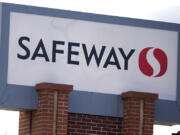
{"x": 138, "y": 113}
{"x": 24, "y": 123}
{"x": 51, "y": 117}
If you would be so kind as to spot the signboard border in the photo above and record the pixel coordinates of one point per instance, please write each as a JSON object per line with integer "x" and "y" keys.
{"x": 11, "y": 96}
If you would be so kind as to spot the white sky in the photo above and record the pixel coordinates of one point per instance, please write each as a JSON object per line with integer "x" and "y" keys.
{"x": 161, "y": 10}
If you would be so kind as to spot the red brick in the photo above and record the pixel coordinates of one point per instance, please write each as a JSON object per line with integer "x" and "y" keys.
{"x": 40, "y": 122}
{"x": 131, "y": 120}
{"x": 84, "y": 124}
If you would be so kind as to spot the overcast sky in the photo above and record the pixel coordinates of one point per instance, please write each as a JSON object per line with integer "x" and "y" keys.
{"x": 161, "y": 10}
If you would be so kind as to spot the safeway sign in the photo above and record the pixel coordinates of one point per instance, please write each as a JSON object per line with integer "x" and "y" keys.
{"x": 93, "y": 56}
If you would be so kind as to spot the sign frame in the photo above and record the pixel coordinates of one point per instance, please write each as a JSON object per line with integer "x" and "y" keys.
{"x": 16, "y": 97}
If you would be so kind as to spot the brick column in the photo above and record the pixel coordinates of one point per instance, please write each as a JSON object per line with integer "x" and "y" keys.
{"x": 24, "y": 123}
{"x": 51, "y": 117}
{"x": 138, "y": 113}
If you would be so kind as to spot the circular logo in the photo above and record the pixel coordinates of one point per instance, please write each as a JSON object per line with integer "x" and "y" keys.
{"x": 146, "y": 68}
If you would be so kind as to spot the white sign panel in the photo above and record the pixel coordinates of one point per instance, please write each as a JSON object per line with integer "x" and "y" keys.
{"x": 95, "y": 57}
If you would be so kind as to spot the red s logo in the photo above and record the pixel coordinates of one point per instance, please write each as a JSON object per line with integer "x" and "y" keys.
{"x": 146, "y": 68}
